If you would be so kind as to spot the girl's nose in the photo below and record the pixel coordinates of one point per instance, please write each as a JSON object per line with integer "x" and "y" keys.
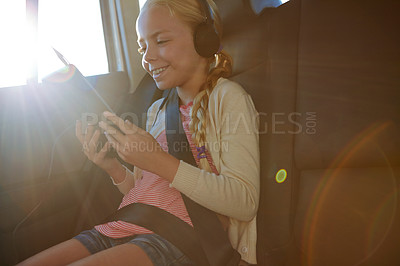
{"x": 149, "y": 55}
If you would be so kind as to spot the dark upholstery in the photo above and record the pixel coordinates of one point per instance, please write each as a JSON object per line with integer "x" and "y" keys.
{"x": 349, "y": 75}
{"x": 334, "y": 68}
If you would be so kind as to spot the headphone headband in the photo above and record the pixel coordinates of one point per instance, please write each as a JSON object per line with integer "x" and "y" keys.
{"x": 206, "y": 38}
{"x": 208, "y": 12}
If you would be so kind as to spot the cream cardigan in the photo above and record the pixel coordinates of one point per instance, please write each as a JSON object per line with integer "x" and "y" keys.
{"x": 232, "y": 140}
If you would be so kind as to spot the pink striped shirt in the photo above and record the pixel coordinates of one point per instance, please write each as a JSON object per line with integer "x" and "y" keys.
{"x": 154, "y": 190}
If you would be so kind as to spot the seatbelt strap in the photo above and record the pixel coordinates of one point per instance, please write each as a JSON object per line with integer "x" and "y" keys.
{"x": 163, "y": 223}
{"x": 209, "y": 229}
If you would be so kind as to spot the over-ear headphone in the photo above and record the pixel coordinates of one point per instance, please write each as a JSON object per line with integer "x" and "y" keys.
{"x": 206, "y": 39}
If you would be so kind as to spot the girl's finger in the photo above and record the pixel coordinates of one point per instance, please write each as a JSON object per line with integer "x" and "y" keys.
{"x": 93, "y": 143}
{"x": 111, "y": 139}
{"x": 102, "y": 153}
{"x": 115, "y": 119}
{"x": 131, "y": 128}
{"x": 126, "y": 128}
{"x": 111, "y": 131}
{"x": 88, "y": 134}
{"x": 78, "y": 131}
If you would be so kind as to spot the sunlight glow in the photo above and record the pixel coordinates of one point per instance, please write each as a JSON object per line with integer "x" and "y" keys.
{"x": 12, "y": 45}
{"x": 141, "y": 3}
{"x": 73, "y": 27}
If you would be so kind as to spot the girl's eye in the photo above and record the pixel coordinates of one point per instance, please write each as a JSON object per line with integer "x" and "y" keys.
{"x": 162, "y": 41}
{"x": 141, "y": 50}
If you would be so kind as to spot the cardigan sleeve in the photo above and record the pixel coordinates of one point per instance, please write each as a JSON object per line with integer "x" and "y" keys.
{"x": 235, "y": 191}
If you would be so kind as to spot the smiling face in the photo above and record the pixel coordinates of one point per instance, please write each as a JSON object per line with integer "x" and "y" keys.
{"x": 169, "y": 56}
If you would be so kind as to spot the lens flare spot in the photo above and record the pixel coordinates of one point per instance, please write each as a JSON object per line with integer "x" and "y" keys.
{"x": 280, "y": 176}
{"x": 62, "y": 75}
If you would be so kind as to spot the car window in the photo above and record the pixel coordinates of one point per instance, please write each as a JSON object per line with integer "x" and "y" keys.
{"x": 32, "y": 27}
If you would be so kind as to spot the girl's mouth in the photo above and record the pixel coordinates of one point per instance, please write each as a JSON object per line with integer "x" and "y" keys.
{"x": 157, "y": 72}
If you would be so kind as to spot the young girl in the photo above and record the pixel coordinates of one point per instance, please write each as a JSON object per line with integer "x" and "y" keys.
{"x": 216, "y": 114}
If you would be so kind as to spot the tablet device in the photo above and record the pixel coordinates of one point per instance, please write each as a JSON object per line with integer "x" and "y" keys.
{"x": 70, "y": 76}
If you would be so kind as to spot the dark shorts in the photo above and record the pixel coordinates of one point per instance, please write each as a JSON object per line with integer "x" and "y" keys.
{"x": 159, "y": 250}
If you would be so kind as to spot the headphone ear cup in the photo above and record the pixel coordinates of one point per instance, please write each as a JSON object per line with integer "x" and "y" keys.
{"x": 206, "y": 40}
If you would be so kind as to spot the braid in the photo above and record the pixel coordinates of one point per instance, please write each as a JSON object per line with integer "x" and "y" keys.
{"x": 198, "y": 125}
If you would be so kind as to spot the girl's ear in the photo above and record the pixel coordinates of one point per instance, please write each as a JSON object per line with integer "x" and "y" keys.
{"x": 206, "y": 39}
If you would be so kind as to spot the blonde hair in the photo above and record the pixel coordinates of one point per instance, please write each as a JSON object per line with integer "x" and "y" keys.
{"x": 190, "y": 12}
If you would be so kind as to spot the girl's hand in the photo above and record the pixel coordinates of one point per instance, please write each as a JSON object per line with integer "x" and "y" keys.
{"x": 138, "y": 147}
{"x": 89, "y": 140}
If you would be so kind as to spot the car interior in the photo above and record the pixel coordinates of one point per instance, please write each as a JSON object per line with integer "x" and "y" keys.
{"x": 325, "y": 78}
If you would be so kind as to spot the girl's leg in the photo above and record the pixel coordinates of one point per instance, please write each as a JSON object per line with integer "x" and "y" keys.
{"x": 124, "y": 254}
{"x": 61, "y": 254}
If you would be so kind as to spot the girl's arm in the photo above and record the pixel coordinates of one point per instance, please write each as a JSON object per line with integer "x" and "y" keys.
{"x": 128, "y": 182}
{"x": 235, "y": 191}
